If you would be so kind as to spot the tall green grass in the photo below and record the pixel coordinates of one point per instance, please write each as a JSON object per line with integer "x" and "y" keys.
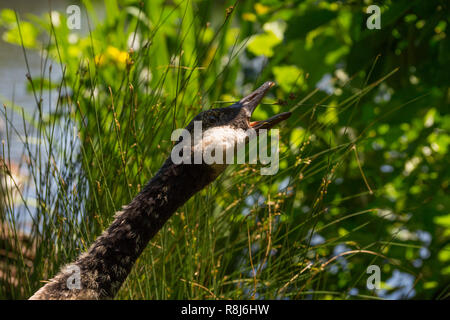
{"x": 91, "y": 151}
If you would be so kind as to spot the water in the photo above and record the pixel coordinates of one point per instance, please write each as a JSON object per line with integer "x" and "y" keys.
{"x": 13, "y": 71}
{"x": 15, "y": 96}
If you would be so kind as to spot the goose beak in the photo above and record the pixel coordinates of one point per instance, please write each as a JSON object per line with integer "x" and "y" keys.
{"x": 250, "y": 102}
{"x": 271, "y": 122}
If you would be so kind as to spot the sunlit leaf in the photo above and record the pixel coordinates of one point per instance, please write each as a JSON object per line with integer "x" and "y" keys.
{"x": 288, "y": 77}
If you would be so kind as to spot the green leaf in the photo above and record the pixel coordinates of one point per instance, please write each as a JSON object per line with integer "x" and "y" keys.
{"x": 296, "y": 139}
{"x": 263, "y": 44}
{"x": 299, "y": 26}
{"x": 7, "y": 17}
{"x": 288, "y": 77}
{"x": 444, "y": 254}
{"x": 443, "y": 221}
{"x": 27, "y": 30}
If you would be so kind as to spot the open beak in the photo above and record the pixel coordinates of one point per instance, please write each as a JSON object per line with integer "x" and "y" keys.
{"x": 250, "y": 102}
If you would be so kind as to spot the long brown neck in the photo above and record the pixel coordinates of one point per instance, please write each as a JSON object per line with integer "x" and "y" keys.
{"x": 107, "y": 263}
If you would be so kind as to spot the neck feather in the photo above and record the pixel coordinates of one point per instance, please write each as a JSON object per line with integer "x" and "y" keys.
{"x": 107, "y": 263}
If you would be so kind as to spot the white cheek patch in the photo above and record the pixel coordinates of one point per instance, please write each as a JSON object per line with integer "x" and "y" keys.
{"x": 219, "y": 143}
{"x": 225, "y": 138}
{"x": 216, "y": 145}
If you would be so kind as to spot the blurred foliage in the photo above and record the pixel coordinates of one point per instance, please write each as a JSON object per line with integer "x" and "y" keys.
{"x": 364, "y": 175}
